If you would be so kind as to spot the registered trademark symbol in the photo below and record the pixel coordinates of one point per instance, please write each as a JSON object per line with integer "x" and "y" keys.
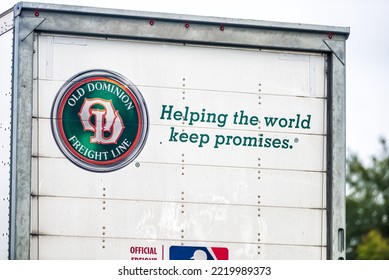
{"x": 296, "y": 140}
{"x": 137, "y": 164}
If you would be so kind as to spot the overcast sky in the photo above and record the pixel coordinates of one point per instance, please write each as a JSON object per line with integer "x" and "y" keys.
{"x": 367, "y": 47}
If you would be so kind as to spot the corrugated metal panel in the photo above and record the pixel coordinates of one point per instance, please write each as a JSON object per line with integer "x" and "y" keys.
{"x": 222, "y": 185}
{"x": 222, "y": 66}
{"x": 249, "y": 191}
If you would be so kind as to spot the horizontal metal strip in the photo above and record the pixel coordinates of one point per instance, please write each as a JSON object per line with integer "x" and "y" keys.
{"x": 177, "y": 202}
{"x": 175, "y": 240}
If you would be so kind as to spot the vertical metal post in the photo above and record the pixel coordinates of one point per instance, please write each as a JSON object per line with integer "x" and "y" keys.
{"x": 21, "y": 140}
{"x": 337, "y": 152}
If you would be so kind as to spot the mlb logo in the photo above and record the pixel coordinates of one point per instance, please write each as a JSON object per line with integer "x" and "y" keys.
{"x": 197, "y": 253}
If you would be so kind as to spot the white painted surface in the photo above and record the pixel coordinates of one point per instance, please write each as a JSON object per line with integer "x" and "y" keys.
{"x": 206, "y": 68}
{"x": 177, "y": 192}
{"x": 80, "y": 248}
{"x": 200, "y": 184}
{"x": 159, "y": 149}
{"x": 5, "y": 135}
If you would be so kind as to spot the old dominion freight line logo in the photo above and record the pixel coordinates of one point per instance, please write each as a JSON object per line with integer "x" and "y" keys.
{"x": 100, "y": 120}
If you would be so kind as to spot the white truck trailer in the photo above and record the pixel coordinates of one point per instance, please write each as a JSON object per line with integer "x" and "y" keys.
{"x": 137, "y": 135}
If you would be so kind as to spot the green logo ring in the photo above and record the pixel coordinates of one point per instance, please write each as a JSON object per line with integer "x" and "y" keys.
{"x": 100, "y": 120}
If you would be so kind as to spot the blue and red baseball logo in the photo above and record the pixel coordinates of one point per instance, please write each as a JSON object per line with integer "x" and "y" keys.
{"x": 197, "y": 253}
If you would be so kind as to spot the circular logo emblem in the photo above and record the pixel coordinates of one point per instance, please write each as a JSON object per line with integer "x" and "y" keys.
{"x": 99, "y": 120}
